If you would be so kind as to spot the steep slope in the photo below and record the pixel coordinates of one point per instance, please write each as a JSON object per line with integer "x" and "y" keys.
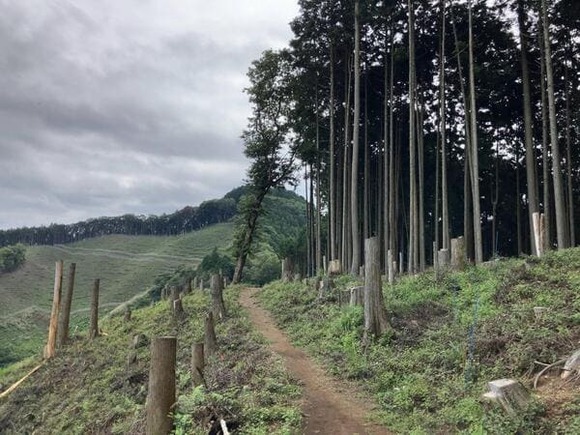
{"x": 100, "y": 386}
{"x": 452, "y": 334}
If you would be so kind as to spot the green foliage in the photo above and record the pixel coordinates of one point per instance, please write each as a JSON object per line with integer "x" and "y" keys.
{"x": 263, "y": 267}
{"x": 215, "y": 262}
{"x": 12, "y": 257}
{"x": 452, "y": 335}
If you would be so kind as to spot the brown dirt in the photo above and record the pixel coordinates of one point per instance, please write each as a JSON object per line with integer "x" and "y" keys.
{"x": 330, "y": 406}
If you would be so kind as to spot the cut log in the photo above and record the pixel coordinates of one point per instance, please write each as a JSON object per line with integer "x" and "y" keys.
{"x": 572, "y": 365}
{"x": 510, "y": 394}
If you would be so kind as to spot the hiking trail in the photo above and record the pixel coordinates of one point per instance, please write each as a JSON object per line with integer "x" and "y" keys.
{"x": 329, "y": 406}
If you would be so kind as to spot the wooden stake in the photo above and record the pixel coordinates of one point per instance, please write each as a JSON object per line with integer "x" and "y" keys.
{"x": 49, "y": 350}
{"x": 94, "y": 325}
{"x": 64, "y": 318}
{"x": 161, "y": 395}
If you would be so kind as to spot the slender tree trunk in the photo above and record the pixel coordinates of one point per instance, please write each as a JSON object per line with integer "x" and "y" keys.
{"x": 421, "y": 199}
{"x": 467, "y": 166}
{"x": 318, "y": 196}
{"x": 366, "y": 189}
{"x": 569, "y": 186}
{"x": 387, "y": 145}
{"x": 393, "y": 197}
{"x": 443, "y": 132}
{"x": 354, "y": 212}
{"x": 474, "y": 146}
{"x": 413, "y": 242}
{"x": 518, "y": 203}
{"x": 561, "y": 226}
{"x": 332, "y": 199}
{"x": 545, "y": 149}
{"x": 533, "y": 205}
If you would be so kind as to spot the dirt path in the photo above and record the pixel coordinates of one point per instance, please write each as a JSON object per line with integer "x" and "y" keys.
{"x": 330, "y": 407}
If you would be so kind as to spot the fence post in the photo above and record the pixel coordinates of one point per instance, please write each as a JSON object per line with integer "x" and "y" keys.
{"x": 49, "y": 350}
{"x": 94, "y": 325}
{"x": 64, "y": 318}
{"x": 161, "y": 394}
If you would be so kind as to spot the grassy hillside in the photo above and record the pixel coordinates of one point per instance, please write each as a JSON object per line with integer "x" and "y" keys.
{"x": 451, "y": 335}
{"x": 126, "y": 265}
{"x": 94, "y": 387}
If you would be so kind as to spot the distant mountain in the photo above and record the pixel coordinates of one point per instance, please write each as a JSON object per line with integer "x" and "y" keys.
{"x": 179, "y": 222}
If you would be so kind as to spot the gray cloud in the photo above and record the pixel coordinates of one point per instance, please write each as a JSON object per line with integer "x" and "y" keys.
{"x": 129, "y": 106}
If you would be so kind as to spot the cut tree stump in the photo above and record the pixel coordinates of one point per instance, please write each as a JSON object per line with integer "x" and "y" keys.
{"x": 64, "y": 319}
{"x": 210, "y": 340}
{"x": 572, "y": 365}
{"x": 94, "y": 323}
{"x": 357, "y": 296}
{"x": 334, "y": 268}
{"x": 197, "y": 364}
{"x": 217, "y": 299}
{"x": 510, "y": 394}
{"x": 161, "y": 395}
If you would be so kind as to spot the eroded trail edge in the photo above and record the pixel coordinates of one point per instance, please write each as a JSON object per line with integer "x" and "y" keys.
{"x": 329, "y": 406}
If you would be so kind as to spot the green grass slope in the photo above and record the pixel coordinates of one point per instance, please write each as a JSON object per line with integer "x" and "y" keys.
{"x": 100, "y": 386}
{"x": 452, "y": 335}
{"x": 126, "y": 266}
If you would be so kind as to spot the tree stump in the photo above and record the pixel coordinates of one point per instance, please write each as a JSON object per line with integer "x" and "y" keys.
{"x": 187, "y": 287}
{"x": 217, "y": 300}
{"x": 127, "y": 315}
{"x": 325, "y": 287}
{"x": 510, "y": 394}
{"x": 334, "y": 268}
{"x": 458, "y": 253}
{"x": 197, "y": 364}
{"x": 286, "y": 270}
{"x": 357, "y": 296}
{"x": 375, "y": 315}
{"x": 63, "y": 324}
{"x": 210, "y": 341}
{"x": 50, "y": 348}
{"x": 391, "y": 267}
{"x": 161, "y": 395}
{"x": 297, "y": 277}
{"x": 201, "y": 284}
{"x": 94, "y": 325}
{"x": 442, "y": 260}
{"x": 178, "y": 311}
{"x": 572, "y": 365}
{"x": 195, "y": 282}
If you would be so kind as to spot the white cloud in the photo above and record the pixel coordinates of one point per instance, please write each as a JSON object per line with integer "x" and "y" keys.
{"x": 129, "y": 106}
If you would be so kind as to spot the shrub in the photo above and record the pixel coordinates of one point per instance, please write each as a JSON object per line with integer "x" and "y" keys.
{"x": 12, "y": 257}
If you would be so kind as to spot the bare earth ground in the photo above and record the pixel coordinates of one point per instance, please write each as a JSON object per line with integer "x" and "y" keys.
{"x": 330, "y": 407}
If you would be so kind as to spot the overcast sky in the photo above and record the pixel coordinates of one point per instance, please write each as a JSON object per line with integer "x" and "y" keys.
{"x": 125, "y": 106}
